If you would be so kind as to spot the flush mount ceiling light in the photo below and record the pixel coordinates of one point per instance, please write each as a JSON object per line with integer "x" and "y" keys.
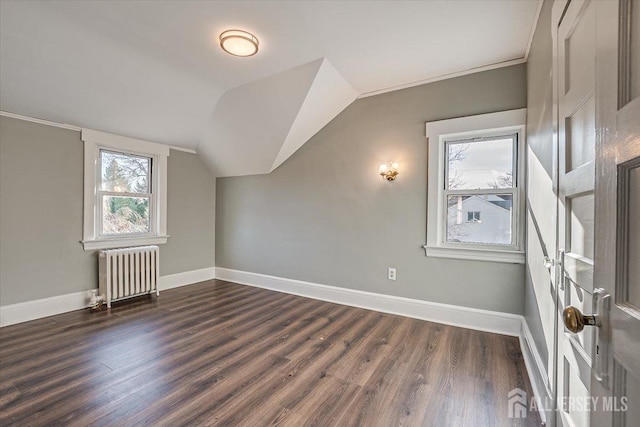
{"x": 239, "y": 43}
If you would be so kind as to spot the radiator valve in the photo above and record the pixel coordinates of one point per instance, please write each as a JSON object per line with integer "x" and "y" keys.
{"x": 95, "y": 300}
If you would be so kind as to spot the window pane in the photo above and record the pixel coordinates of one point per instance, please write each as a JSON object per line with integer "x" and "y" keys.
{"x": 122, "y": 215}
{"x": 125, "y": 173}
{"x": 484, "y": 219}
{"x": 483, "y": 164}
{"x": 473, "y": 216}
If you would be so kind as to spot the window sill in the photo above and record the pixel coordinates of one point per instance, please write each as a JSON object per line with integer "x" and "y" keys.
{"x": 513, "y": 257}
{"x": 90, "y": 245}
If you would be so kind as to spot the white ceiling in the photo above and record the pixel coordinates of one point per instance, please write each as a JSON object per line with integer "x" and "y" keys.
{"x": 154, "y": 70}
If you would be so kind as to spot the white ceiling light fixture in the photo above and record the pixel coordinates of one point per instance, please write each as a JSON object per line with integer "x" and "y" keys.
{"x": 239, "y": 43}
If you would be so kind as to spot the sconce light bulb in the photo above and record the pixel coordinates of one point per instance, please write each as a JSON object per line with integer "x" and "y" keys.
{"x": 388, "y": 170}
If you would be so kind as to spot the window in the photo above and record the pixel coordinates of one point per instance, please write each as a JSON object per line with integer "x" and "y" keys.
{"x": 479, "y": 176}
{"x": 124, "y": 194}
{"x": 475, "y": 185}
{"x": 473, "y": 216}
{"x": 125, "y": 191}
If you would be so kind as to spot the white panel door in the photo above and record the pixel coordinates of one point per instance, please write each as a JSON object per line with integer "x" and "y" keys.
{"x": 576, "y": 52}
{"x": 616, "y": 381}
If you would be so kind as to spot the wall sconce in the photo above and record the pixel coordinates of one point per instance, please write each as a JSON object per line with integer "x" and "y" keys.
{"x": 388, "y": 170}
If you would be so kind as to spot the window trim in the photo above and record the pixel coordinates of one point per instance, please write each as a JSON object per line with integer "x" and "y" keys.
{"x": 483, "y": 125}
{"x": 94, "y": 141}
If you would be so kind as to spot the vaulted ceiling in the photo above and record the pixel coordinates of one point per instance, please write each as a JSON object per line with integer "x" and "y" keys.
{"x": 154, "y": 70}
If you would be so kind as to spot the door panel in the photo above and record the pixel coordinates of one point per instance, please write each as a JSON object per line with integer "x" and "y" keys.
{"x": 581, "y": 135}
{"x": 576, "y": 184}
{"x": 625, "y": 313}
{"x": 574, "y": 387}
{"x": 626, "y": 394}
{"x": 634, "y": 37}
{"x": 578, "y": 269}
{"x": 630, "y": 292}
{"x": 578, "y": 54}
{"x": 581, "y": 223}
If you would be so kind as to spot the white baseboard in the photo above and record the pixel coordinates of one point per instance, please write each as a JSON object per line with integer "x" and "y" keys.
{"x": 472, "y": 318}
{"x": 31, "y": 310}
{"x": 187, "y": 278}
{"x": 538, "y": 376}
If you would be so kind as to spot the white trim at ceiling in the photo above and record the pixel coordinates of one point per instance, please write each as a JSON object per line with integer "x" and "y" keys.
{"x": 75, "y": 128}
{"x": 445, "y": 77}
{"x": 40, "y": 121}
{"x": 488, "y": 67}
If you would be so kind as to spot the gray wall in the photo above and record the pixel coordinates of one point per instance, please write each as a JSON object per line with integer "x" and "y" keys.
{"x": 41, "y": 179}
{"x": 325, "y": 216}
{"x": 539, "y": 305}
{"x": 190, "y": 210}
{"x": 41, "y": 213}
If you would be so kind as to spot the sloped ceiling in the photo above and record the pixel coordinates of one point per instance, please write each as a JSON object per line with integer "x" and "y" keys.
{"x": 256, "y": 127}
{"x": 154, "y": 70}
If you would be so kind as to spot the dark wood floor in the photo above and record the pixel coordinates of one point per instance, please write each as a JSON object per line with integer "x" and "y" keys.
{"x": 219, "y": 353}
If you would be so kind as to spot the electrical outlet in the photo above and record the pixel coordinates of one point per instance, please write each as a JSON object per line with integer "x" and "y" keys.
{"x": 392, "y": 274}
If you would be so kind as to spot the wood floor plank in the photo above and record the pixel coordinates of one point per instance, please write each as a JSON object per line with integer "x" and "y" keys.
{"x": 365, "y": 357}
{"x": 371, "y": 405}
{"x": 324, "y": 404}
{"x": 219, "y": 353}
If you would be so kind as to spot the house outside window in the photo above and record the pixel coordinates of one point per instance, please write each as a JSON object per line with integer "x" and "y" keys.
{"x": 125, "y": 197}
{"x": 476, "y": 187}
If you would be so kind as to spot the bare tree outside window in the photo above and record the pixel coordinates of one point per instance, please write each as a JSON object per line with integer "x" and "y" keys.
{"x": 457, "y": 152}
{"x": 125, "y": 191}
{"x": 502, "y": 181}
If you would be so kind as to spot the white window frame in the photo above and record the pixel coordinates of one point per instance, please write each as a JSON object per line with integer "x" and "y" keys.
{"x": 483, "y": 125}
{"x": 94, "y": 142}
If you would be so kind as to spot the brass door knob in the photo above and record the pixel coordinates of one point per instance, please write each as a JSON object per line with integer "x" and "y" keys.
{"x": 575, "y": 321}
